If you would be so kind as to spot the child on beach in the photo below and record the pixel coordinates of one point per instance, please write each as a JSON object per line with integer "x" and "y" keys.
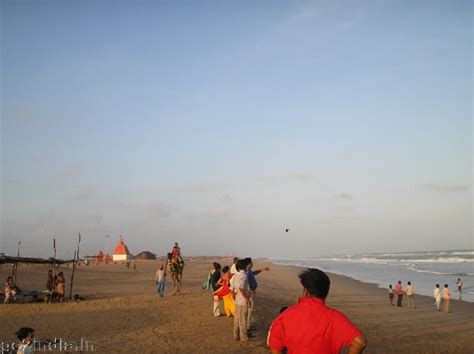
{"x": 160, "y": 278}
{"x": 390, "y": 294}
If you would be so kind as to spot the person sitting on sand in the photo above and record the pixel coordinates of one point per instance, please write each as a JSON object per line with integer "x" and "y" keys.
{"x": 446, "y": 298}
{"x": 160, "y": 278}
{"x": 399, "y": 292}
{"x": 437, "y": 296}
{"x": 390, "y": 294}
{"x": 60, "y": 287}
{"x": 311, "y": 326}
{"x": 215, "y": 286}
{"x": 9, "y": 291}
{"x": 49, "y": 287}
{"x": 224, "y": 292}
{"x": 410, "y": 294}
{"x": 26, "y": 337}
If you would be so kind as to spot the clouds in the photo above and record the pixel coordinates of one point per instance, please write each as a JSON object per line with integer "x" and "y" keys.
{"x": 445, "y": 188}
{"x": 343, "y": 196}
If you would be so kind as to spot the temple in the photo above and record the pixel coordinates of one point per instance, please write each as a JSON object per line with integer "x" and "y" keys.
{"x": 121, "y": 252}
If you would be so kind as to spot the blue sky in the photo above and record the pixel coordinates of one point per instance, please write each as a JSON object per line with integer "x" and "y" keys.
{"x": 217, "y": 124}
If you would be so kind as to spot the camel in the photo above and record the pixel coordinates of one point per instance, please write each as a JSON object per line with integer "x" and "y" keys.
{"x": 176, "y": 267}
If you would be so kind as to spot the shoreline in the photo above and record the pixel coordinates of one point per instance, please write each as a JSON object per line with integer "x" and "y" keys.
{"x": 123, "y": 313}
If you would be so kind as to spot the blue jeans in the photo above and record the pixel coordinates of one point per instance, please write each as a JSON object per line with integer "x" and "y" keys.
{"x": 160, "y": 287}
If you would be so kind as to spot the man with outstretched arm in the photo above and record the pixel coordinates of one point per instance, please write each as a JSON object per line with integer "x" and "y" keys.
{"x": 311, "y": 326}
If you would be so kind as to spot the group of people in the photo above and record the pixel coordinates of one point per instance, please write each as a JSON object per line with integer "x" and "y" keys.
{"x": 55, "y": 287}
{"x": 236, "y": 288}
{"x": 409, "y": 290}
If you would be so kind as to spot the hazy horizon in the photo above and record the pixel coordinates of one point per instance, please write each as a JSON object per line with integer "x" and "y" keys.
{"x": 218, "y": 125}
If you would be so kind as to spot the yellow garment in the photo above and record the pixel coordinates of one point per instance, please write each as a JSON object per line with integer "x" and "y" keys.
{"x": 229, "y": 306}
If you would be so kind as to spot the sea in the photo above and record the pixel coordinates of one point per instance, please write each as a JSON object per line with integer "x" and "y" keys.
{"x": 423, "y": 269}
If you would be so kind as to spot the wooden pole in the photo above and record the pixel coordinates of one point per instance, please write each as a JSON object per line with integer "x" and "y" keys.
{"x": 15, "y": 266}
{"x": 54, "y": 270}
{"x": 74, "y": 265}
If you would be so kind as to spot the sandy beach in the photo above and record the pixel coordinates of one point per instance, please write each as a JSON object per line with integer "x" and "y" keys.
{"x": 123, "y": 313}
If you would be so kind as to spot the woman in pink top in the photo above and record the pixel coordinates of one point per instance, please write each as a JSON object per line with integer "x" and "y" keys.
{"x": 399, "y": 292}
{"x": 446, "y": 297}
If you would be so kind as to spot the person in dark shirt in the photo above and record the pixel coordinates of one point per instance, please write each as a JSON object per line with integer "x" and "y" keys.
{"x": 214, "y": 284}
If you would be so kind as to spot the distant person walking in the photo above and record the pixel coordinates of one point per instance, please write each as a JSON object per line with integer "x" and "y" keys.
{"x": 437, "y": 296}
{"x": 390, "y": 294}
{"x": 311, "y": 326}
{"x": 160, "y": 278}
{"x": 446, "y": 298}
{"x": 399, "y": 292}
{"x": 410, "y": 294}
{"x": 459, "y": 286}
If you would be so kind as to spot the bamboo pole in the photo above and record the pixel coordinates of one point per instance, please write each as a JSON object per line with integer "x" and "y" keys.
{"x": 74, "y": 265}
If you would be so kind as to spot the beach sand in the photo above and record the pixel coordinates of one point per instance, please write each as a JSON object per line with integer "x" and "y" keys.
{"x": 123, "y": 313}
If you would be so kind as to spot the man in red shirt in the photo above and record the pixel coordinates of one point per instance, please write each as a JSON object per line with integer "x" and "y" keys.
{"x": 176, "y": 251}
{"x": 311, "y": 326}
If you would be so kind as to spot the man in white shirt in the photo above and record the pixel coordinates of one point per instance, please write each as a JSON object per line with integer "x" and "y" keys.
{"x": 160, "y": 280}
{"x": 437, "y": 296}
{"x": 410, "y": 291}
{"x": 233, "y": 268}
{"x": 242, "y": 296}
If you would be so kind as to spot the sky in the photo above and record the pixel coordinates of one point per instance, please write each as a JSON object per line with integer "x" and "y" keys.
{"x": 218, "y": 124}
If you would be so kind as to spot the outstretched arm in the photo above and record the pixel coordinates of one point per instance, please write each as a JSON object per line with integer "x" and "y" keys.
{"x": 358, "y": 345}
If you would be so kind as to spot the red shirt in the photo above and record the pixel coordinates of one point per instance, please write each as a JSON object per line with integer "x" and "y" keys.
{"x": 311, "y": 327}
{"x": 176, "y": 251}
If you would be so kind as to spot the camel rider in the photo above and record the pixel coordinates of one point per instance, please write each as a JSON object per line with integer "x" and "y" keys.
{"x": 176, "y": 251}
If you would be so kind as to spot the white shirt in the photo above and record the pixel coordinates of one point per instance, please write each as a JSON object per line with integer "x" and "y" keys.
{"x": 437, "y": 294}
{"x": 233, "y": 269}
{"x": 160, "y": 275}
{"x": 240, "y": 282}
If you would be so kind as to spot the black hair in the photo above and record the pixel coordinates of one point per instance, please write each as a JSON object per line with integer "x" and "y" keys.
{"x": 24, "y": 332}
{"x": 316, "y": 282}
{"x": 217, "y": 266}
{"x": 225, "y": 269}
{"x": 437, "y": 285}
{"x": 390, "y": 286}
{"x": 445, "y": 285}
{"x": 399, "y": 282}
{"x": 409, "y": 283}
{"x": 241, "y": 264}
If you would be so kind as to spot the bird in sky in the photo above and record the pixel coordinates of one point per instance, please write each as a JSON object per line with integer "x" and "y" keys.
{"x": 286, "y": 230}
